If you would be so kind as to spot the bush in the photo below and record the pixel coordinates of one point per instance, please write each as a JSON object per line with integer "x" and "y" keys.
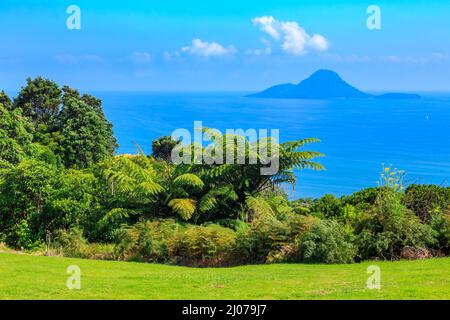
{"x": 388, "y": 227}
{"x": 150, "y": 241}
{"x": 272, "y": 241}
{"x": 364, "y": 199}
{"x": 264, "y": 237}
{"x": 210, "y": 245}
{"x": 326, "y": 242}
{"x": 425, "y": 200}
{"x": 167, "y": 241}
{"x": 72, "y": 244}
{"x": 328, "y": 206}
{"x": 21, "y": 236}
{"x": 440, "y": 222}
{"x": 25, "y": 190}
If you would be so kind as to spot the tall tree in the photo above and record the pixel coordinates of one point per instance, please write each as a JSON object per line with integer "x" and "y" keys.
{"x": 246, "y": 181}
{"x": 25, "y": 190}
{"x": 15, "y": 135}
{"x": 5, "y": 100}
{"x": 87, "y": 138}
{"x": 39, "y": 100}
{"x": 162, "y": 148}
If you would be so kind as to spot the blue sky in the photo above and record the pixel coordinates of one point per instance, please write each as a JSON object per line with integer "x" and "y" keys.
{"x": 186, "y": 45}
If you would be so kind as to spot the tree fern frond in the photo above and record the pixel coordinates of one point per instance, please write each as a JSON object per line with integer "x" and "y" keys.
{"x": 184, "y": 207}
{"x": 117, "y": 214}
{"x": 189, "y": 180}
{"x": 293, "y": 145}
{"x": 259, "y": 207}
{"x": 207, "y": 203}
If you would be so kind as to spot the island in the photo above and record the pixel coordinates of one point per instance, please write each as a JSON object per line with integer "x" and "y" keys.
{"x": 324, "y": 84}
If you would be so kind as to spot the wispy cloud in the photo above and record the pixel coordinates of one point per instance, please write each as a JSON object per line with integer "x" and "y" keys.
{"x": 435, "y": 57}
{"x": 141, "y": 57}
{"x": 430, "y": 58}
{"x": 73, "y": 59}
{"x": 207, "y": 49}
{"x": 266, "y": 50}
{"x": 294, "y": 39}
{"x": 259, "y": 52}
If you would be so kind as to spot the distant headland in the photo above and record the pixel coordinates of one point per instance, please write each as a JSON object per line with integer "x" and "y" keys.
{"x": 324, "y": 84}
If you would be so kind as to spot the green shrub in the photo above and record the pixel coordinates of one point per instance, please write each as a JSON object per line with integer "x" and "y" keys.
{"x": 280, "y": 205}
{"x": 302, "y": 206}
{"x": 270, "y": 240}
{"x": 20, "y": 236}
{"x": 25, "y": 190}
{"x": 210, "y": 245}
{"x": 328, "y": 206}
{"x": 150, "y": 241}
{"x": 72, "y": 244}
{"x": 440, "y": 222}
{"x": 326, "y": 242}
{"x": 388, "y": 227}
{"x": 425, "y": 200}
{"x": 170, "y": 242}
{"x": 260, "y": 239}
{"x": 364, "y": 199}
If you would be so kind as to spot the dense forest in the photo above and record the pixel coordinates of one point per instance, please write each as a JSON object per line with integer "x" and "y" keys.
{"x": 65, "y": 191}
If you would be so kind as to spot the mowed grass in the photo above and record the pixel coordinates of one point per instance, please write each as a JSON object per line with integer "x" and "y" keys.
{"x": 33, "y": 277}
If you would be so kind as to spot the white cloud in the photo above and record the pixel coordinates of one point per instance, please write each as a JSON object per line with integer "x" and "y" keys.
{"x": 295, "y": 40}
{"x": 267, "y": 24}
{"x": 141, "y": 57}
{"x": 206, "y": 49}
{"x": 319, "y": 43}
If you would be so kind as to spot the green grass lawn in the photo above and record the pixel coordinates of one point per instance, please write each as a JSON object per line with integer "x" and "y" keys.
{"x": 33, "y": 277}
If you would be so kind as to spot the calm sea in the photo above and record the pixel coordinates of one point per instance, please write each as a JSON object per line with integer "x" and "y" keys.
{"x": 357, "y": 135}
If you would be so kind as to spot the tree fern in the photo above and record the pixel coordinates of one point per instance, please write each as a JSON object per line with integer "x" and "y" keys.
{"x": 184, "y": 207}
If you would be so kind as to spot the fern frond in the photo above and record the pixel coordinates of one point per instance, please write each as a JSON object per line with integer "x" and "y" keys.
{"x": 184, "y": 207}
{"x": 259, "y": 207}
{"x": 117, "y": 214}
{"x": 188, "y": 180}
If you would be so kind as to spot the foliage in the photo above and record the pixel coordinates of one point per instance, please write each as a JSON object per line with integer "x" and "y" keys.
{"x": 25, "y": 190}
{"x": 39, "y": 100}
{"x": 246, "y": 174}
{"x": 60, "y": 183}
{"x": 15, "y": 135}
{"x": 363, "y": 199}
{"x": 269, "y": 240}
{"x": 72, "y": 202}
{"x": 87, "y": 138}
{"x": 425, "y": 200}
{"x": 389, "y": 227}
{"x": 72, "y": 243}
{"x": 73, "y": 127}
{"x": 210, "y": 245}
{"x": 391, "y": 178}
{"x": 327, "y": 206}
{"x": 326, "y": 242}
{"x": 5, "y": 101}
{"x": 440, "y": 222}
{"x": 161, "y": 191}
{"x": 170, "y": 242}
{"x": 162, "y": 148}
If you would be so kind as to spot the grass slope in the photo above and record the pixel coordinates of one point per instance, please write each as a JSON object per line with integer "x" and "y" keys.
{"x": 32, "y": 277}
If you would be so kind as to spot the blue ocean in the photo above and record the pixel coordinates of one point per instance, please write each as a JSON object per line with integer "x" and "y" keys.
{"x": 358, "y": 136}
